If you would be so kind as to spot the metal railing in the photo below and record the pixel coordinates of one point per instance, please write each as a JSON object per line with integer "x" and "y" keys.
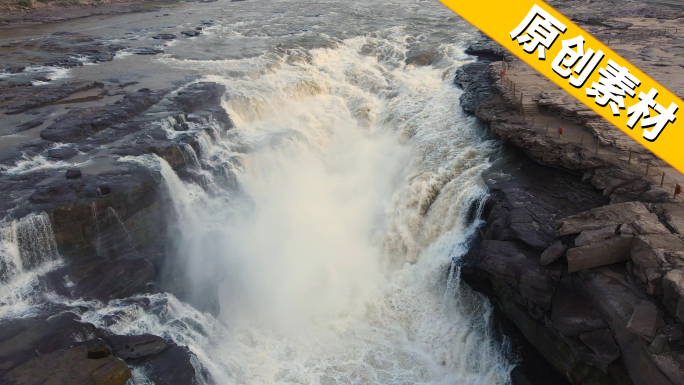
{"x": 530, "y": 110}
{"x": 638, "y": 35}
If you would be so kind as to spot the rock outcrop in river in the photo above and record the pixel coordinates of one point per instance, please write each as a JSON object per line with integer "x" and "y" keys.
{"x": 109, "y": 222}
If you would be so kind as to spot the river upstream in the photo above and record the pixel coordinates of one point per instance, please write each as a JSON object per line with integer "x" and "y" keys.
{"x": 356, "y": 178}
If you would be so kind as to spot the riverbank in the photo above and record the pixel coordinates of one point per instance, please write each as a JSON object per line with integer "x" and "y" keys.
{"x": 34, "y": 12}
{"x": 586, "y": 260}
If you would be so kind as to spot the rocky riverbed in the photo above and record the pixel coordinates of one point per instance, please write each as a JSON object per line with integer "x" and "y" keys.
{"x": 580, "y": 249}
{"x": 66, "y": 194}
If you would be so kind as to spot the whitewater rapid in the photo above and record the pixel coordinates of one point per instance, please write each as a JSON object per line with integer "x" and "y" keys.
{"x": 339, "y": 239}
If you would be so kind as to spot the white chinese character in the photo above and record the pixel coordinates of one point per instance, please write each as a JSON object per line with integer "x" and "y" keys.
{"x": 660, "y": 121}
{"x": 536, "y": 31}
{"x": 641, "y": 109}
{"x": 615, "y": 81}
{"x": 568, "y": 57}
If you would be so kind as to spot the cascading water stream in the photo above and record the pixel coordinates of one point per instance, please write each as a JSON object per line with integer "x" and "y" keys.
{"x": 356, "y": 174}
{"x": 333, "y": 215}
{"x": 27, "y": 250}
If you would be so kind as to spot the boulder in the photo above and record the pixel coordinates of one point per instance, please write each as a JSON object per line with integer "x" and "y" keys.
{"x": 191, "y": 33}
{"x": 164, "y": 36}
{"x": 136, "y": 347}
{"x": 673, "y": 214}
{"x": 592, "y": 236}
{"x": 173, "y": 366}
{"x": 650, "y": 225}
{"x": 651, "y": 254}
{"x": 21, "y": 338}
{"x": 658, "y": 344}
{"x": 612, "y": 250}
{"x": 62, "y": 153}
{"x": 85, "y": 364}
{"x": 603, "y": 346}
{"x": 486, "y": 48}
{"x": 519, "y": 267}
{"x": 420, "y": 59}
{"x": 673, "y": 292}
{"x": 601, "y": 217}
{"x": 147, "y": 51}
{"x": 102, "y": 280}
{"x": 614, "y": 295}
{"x": 552, "y": 253}
{"x": 644, "y": 320}
{"x": 571, "y": 315}
{"x": 73, "y": 173}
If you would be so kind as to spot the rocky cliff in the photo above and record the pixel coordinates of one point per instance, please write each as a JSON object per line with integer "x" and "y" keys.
{"x": 581, "y": 251}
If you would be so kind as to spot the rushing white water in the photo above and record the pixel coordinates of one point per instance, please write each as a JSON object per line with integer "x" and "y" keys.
{"x": 27, "y": 250}
{"x": 333, "y": 214}
{"x": 337, "y": 269}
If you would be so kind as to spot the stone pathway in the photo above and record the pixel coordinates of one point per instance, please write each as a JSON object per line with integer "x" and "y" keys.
{"x": 534, "y": 86}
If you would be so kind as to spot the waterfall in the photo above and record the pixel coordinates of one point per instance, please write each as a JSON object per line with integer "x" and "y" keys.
{"x": 338, "y": 251}
{"x": 25, "y": 244}
{"x": 27, "y": 251}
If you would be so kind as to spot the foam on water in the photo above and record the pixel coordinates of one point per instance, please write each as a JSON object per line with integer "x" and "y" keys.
{"x": 335, "y": 218}
{"x": 27, "y": 250}
{"x": 38, "y": 162}
{"x": 361, "y": 172}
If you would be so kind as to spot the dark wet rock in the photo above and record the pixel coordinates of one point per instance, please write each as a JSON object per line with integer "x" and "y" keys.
{"x": 181, "y": 127}
{"x": 102, "y": 57}
{"x": 126, "y": 84}
{"x": 22, "y": 98}
{"x": 421, "y": 59}
{"x": 486, "y": 49}
{"x": 31, "y": 124}
{"x": 614, "y": 294}
{"x": 86, "y": 363}
{"x": 526, "y": 201}
{"x": 571, "y": 315}
{"x": 475, "y": 81}
{"x": 79, "y": 124}
{"x": 136, "y": 347}
{"x": 147, "y": 51}
{"x": 603, "y": 346}
{"x": 191, "y": 33}
{"x": 518, "y": 267}
{"x": 196, "y": 95}
{"x": 173, "y": 366}
{"x": 62, "y": 153}
{"x": 15, "y": 69}
{"x": 103, "y": 280}
{"x": 22, "y": 338}
{"x": 164, "y": 36}
{"x": 73, "y": 173}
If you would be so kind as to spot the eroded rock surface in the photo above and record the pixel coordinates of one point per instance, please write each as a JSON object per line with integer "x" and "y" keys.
{"x": 587, "y": 261}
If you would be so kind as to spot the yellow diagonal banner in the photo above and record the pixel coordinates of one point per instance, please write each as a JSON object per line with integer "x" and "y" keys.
{"x": 586, "y": 68}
